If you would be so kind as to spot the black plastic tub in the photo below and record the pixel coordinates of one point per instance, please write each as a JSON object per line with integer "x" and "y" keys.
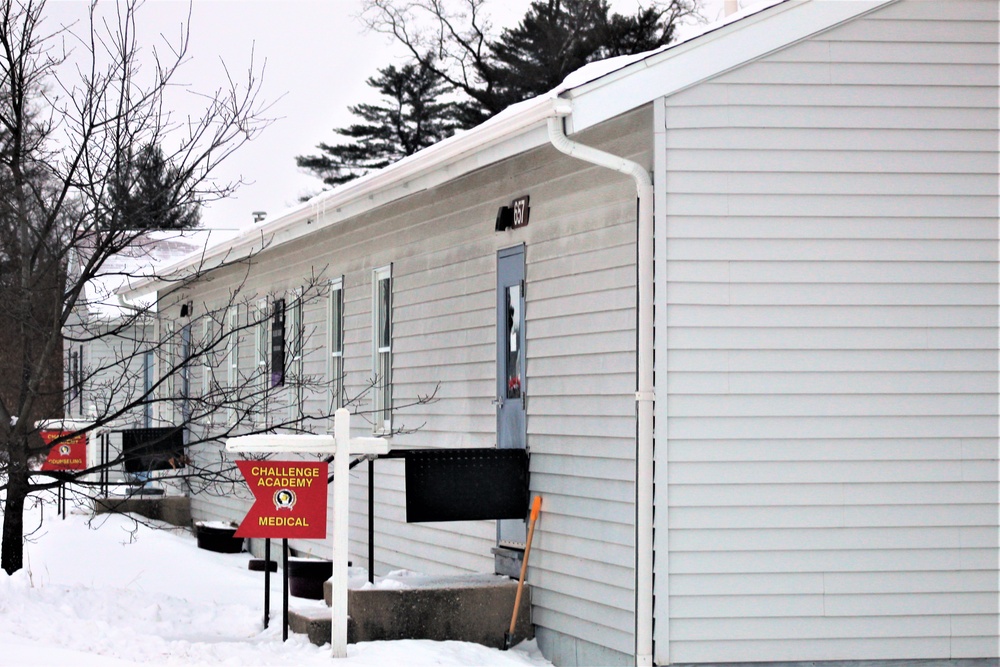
{"x": 261, "y": 565}
{"x": 306, "y": 577}
{"x": 218, "y": 538}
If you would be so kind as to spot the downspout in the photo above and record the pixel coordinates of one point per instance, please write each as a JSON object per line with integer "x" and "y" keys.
{"x": 644, "y": 393}
{"x": 124, "y": 304}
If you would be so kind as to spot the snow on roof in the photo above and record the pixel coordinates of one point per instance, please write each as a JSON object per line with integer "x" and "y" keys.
{"x": 141, "y": 261}
{"x": 600, "y": 68}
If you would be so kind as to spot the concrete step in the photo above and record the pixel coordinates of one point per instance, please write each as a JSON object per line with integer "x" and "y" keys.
{"x": 475, "y": 608}
{"x": 175, "y": 510}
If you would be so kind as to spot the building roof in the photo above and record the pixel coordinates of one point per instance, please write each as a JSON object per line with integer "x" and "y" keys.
{"x": 594, "y": 94}
{"x": 139, "y": 263}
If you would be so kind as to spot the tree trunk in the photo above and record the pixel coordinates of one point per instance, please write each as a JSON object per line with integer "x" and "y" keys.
{"x": 12, "y": 552}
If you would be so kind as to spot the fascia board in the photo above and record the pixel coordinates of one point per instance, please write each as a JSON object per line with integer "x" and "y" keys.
{"x": 515, "y": 131}
{"x": 677, "y": 68}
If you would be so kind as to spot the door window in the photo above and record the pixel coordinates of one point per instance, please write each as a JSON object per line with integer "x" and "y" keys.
{"x": 513, "y": 341}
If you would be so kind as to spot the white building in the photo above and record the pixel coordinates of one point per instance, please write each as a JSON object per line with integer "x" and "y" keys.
{"x": 762, "y": 413}
{"x": 109, "y": 354}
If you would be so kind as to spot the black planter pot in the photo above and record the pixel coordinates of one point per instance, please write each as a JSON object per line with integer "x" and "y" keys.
{"x": 218, "y": 539}
{"x": 306, "y": 577}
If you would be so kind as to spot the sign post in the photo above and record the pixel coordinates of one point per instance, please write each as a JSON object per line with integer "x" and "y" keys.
{"x": 289, "y": 499}
{"x": 77, "y": 457}
{"x": 342, "y": 446}
{"x": 289, "y": 502}
{"x": 70, "y": 454}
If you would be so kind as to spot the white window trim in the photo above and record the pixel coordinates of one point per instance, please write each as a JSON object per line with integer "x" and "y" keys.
{"x": 232, "y": 358}
{"x": 185, "y": 344}
{"x": 295, "y": 328}
{"x": 167, "y": 388}
{"x": 382, "y": 391}
{"x": 335, "y": 358}
{"x": 262, "y": 346}
{"x": 207, "y": 367}
{"x": 148, "y": 380}
{"x": 73, "y": 373}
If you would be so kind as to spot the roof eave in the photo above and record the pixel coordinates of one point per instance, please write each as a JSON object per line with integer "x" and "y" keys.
{"x": 523, "y": 118}
{"x": 709, "y": 55}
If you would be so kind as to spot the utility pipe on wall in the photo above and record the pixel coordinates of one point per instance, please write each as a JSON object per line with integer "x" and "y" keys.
{"x": 644, "y": 393}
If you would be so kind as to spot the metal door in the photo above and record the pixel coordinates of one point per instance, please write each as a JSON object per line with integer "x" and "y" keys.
{"x": 511, "y": 389}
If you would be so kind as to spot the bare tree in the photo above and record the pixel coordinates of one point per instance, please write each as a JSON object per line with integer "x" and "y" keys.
{"x": 449, "y": 39}
{"x": 199, "y": 390}
{"x": 455, "y": 39}
{"x": 74, "y": 104}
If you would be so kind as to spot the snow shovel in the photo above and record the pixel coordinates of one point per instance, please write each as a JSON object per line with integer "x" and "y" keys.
{"x": 508, "y": 637}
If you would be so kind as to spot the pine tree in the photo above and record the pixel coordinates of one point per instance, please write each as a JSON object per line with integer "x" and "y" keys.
{"x": 412, "y": 117}
{"x": 454, "y": 57}
{"x": 147, "y": 192}
{"x": 557, "y": 37}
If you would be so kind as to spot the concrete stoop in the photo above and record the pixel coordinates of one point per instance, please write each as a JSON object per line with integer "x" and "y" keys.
{"x": 475, "y": 608}
{"x": 175, "y": 510}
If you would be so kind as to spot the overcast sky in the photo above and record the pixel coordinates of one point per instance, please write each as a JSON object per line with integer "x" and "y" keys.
{"x": 317, "y": 57}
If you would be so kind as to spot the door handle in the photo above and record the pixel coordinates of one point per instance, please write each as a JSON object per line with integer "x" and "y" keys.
{"x": 498, "y": 402}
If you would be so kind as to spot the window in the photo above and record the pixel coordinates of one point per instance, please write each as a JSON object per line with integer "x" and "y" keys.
{"x": 514, "y": 319}
{"x": 79, "y": 380}
{"x": 185, "y": 373}
{"x": 75, "y": 380}
{"x": 382, "y": 348}
{"x": 276, "y": 362}
{"x": 208, "y": 355}
{"x": 335, "y": 333}
{"x": 296, "y": 358}
{"x": 262, "y": 347}
{"x": 232, "y": 361}
{"x": 168, "y": 386}
{"x": 148, "y": 375}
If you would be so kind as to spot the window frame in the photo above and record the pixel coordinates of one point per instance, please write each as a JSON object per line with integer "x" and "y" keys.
{"x": 295, "y": 364}
{"x": 232, "y": 360}
{"x": 262, "y": 349}
{"x": 183, "y": 359}
{"x": 148, "y": 380}
{"x": 207, "y": 367}
{"x": 514, "y": 354}
{"x": 382, "y": 349}
{"x": 169, "y": 384}
{"x": 75, "y": 383}
{"x": 335, "y": 344}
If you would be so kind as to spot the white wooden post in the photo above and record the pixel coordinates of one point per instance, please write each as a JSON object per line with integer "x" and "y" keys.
{"x": 340, "y": 517}
{"x": 343, "y": 446}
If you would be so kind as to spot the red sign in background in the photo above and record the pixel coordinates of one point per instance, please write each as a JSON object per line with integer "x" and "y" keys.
{"x": 69, "y": 454}
{"x": 289, "y": 499}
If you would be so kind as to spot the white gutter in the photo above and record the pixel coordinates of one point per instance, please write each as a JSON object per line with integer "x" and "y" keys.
{"x": 125, "y": 305}
{"x": 368, "y": 191}
{"x": 644, "y": 393}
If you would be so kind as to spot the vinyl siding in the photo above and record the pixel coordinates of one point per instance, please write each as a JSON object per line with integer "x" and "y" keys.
{"x": 831, "y": 348}
{"x": 580, "y": 370}
{"x": 111, "y": 369}
{"x": 581, "y": 411}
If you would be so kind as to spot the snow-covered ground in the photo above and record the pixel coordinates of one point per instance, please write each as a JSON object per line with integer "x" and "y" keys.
{"x": 115, "y": 593}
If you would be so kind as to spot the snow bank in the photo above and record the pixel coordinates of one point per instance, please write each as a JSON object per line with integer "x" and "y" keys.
{"x": 117, "y": 593}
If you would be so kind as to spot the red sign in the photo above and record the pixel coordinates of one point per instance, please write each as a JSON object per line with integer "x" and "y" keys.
{"x": 289, "y": 499}
{"x": 69, "y": 454}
